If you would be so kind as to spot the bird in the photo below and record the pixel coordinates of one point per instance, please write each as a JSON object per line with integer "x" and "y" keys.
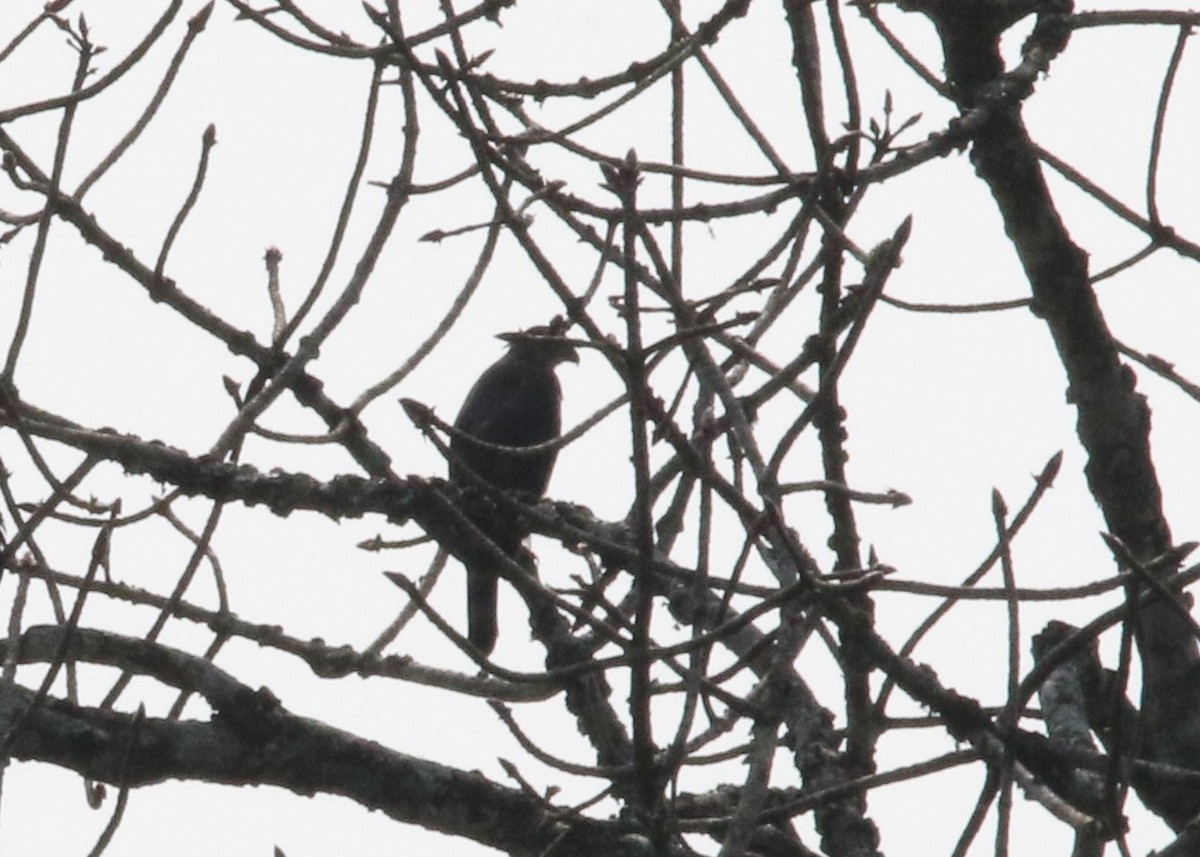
{"x": 516, "y": 402}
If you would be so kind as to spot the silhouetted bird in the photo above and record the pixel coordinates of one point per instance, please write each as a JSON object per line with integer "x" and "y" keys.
{"x": 516, "y": 402}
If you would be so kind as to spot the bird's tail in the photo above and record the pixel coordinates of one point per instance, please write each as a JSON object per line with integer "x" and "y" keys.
{"x": 482, "y": 586}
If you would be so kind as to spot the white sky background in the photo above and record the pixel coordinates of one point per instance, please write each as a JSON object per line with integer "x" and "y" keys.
{"x": 941, "y": 407}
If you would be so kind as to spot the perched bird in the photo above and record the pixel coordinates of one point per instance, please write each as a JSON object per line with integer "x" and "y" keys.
{"x": 516, "y": 402}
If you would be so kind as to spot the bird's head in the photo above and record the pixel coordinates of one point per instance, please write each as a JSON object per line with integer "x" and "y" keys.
{"x": 545, "y": 342}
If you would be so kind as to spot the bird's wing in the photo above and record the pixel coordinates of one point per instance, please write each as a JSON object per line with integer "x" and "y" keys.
{"x": 514, "y": 403}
